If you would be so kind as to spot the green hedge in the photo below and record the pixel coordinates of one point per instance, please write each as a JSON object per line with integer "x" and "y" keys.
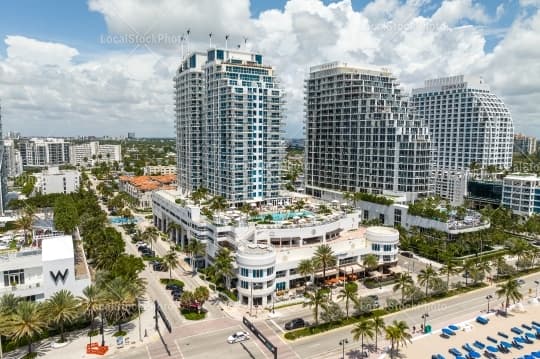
{"x": 228, "y": 293}
{"x": 192, "y": 315}
{"x": 172, "y": 281}
{"x": 374, "y": 283}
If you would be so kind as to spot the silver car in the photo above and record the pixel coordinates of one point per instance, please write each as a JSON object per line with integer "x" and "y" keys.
{"x": 238, "y": 337}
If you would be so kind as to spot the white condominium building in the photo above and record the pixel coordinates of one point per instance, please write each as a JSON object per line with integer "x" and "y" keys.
{"x": 41, "y": 152}
{"x": 360, "y": 135}
{"x": 228, "y": 125}
{"x": 521, "y": 193}
{"x": 13, "y": 159}
{"x": 468, "y": 124}
{"x": 90, "y": 153}
{"x": 54, "y": 180}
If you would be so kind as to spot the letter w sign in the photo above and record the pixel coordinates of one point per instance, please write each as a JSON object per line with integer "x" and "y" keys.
{"x": 59, "y": 275}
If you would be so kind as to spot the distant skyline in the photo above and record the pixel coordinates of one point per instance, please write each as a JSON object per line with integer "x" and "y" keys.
{"x": 105, "y": 67}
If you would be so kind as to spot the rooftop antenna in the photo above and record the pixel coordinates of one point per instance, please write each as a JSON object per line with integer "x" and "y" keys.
{"x": 245, "y": 42}
{"x": 182, "y": 46}
{"x": 187, "y": 38}
{"x": 226, "y": 41}
{"x": 210, "y": 36}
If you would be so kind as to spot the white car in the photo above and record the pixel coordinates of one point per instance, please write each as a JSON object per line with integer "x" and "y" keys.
{"x": 238, "y": 337}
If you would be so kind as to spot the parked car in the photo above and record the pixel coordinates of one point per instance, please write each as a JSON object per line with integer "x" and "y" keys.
{"x": 520, "y": 281}
{"x": 176, "y": 296}
{"x": 174, "y": 287}
{"x": 159, "y": 267}
{"x": 238, "y": 337}
{"x": 295, "y": 324}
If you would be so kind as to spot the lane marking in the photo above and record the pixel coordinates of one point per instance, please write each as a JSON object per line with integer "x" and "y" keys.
{"x": 179, "y": 351}
{"x": 148, "y": 351}
{"x": 277, "y": 326}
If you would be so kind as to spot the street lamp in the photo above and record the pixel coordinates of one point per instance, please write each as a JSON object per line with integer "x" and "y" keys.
{"x": 537, "y": 283}
{"x": 342, "y": 342}
{"x": 489, "y": 298}
{"x": 102, "y": 331}
{"x": 424, "y": 317}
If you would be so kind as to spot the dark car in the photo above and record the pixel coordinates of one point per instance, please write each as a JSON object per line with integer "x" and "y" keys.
{"x": 176, "y": 295}
{"x": 159, "y": 267}
{"x": 295, "y": 323}
{"x": 173, "y": 287}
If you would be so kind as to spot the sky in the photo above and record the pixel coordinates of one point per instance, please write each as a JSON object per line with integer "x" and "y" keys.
{"x": 105, "y": 67}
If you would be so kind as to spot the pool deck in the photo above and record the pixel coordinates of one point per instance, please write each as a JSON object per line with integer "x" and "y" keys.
{"x": 426, "y": 345}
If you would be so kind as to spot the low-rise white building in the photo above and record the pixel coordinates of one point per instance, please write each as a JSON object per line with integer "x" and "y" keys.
{"x": 37, "y": 273}
{"x": 267, "y": 254}
{"x": 54, "y": 180}
{"x": 521, "y": 193}
{"x": 159, "y": 170}
{"x": 90, "y": 153}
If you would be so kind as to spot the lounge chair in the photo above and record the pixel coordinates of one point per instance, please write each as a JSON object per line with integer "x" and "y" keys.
{"x": 517, "y": 345}
{"x": 455, "y": 352}
{"x": 516, "y": 330}
{"x": 535, "y": 323}
{"x": 479, "y": 345}
{"x": 525, "y": 326}
{"x": 467, "y": 347}
{"x": 503, "y": 335}
{"x": 493, "y": 340}
{"x": 482, "y": 320}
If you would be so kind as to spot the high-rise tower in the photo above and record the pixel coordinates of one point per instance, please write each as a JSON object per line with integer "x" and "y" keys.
{"x": 360, "y": 135}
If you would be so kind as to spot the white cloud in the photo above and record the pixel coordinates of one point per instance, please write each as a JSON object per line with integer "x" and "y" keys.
{"x": 115, "y": 92}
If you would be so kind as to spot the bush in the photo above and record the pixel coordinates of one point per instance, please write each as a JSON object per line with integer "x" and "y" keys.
{"x": 93, "y": 333}
{"x": 192, "y": 315}
{"x": 228, "y": 293}
{"x": 172, "y": 281}
{"x": 376, "y": 283}
{"x": 120, "y": 333}
{"x": 30, "y": 355}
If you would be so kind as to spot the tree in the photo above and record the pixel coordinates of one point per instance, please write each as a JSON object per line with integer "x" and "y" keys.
{"x": 426, "y": 277}
{"x": 199, "y": 194}
{"x": 349, "y": 293}
{"x": 90, "y": 303}
{"x": 223, "y": 264}
{"x": 404, "y": 281}
{"x": 449, "y": 268}
{"x": 378, "y": 326}
{"x": 510, "y": 291}
{"x": 151, "y": 234}
{"x": 120, "y": 296}
{"x": 317, "y": 299}
{"x": 324, "y": 257}
{"x": 218, "y": 203}
{"x": 26, "y": 322}
{"x": 171, "y": 260}
{"x": 332, "y": 312}
{"x": 370, "y": 261}
{"x": 201, "y": 295}
{"x": 186, "y": 299}
{"x": 196, "y": 248}
{"x": 398, "y": 334}
{"x": 305, "y": 268}
{"x": 26, "y": 221}
{"x": 62, "y": 308}
{"x": 363, "y": 328}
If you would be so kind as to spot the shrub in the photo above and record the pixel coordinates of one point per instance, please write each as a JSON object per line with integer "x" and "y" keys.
{"x": 93, "y": 333}
{"x": 228, "y": 293}
{"x": 172, "y": 281}
{"x": 192, "y": 315}
{"x": 120, "y": 333}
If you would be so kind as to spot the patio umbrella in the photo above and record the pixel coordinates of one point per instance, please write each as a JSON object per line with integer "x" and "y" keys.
{"x": 519, "y": 339}
{"x": 528, "y": 356}
{"x": 492, "y": 349}
{"x": 536, "y": 354}
{"x": 530, "y": 335}
{"x": 506, "y": 344}
{"x": 448, "y": 331}
{"x": 474, "y": 354}
{"x": 453, "y": 327}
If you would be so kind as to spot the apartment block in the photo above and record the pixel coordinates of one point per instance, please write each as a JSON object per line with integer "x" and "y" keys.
{"x": 525, "y": 145}
{"x": 42, "y": 152}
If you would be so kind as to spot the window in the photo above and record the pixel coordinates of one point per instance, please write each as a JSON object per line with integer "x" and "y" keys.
{"x": 13, "y": 277}
{"x": 281, "y": 273}
{"x": 244, "y": 284}
{"x": 387, "y": 247}
{"x": 375, "y": 247}
{"x": 269, "y": 284}
{"x": 244, "y": 272}
{"x": 257, "y": 286}
{"x": 292, "y": 271}
{"x": 280, "y": 286}
{"x": 270, "y": 271}
{"x": 257, "y": 273}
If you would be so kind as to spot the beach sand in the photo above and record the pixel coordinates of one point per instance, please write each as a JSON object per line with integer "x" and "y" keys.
{"x": 426, "y": 345}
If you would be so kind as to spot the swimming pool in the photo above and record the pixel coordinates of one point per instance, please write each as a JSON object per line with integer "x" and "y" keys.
{"x": 122, "y": 220}
{"x": 283, "y": 216}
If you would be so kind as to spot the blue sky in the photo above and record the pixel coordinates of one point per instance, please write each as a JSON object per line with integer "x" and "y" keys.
{"x": 60, "y": 70}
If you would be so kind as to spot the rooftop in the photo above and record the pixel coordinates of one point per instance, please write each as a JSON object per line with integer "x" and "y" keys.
{"x": 150, "y": 183}
{"x": 57, "y": 247}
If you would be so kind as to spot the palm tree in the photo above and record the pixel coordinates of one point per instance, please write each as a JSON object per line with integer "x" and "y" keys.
{"x": 8, "y": 303}
{"x": 201, "y": 295}
{"x": 223, "y": 264}
{"x": 171, "y": 260}
{"x": 26, "y": 222}
{"x": 196, "y": 248}
{"x": 90, "y": 303}
{"x": 218, "y": 203}
{"x": 378, "y": 325}
{"x": 370, "y": 261}
{"x": 62, "y": 308}
{"x": 120, "y": 297}
{"x": 151, "y": 234}
{"x": 199, "y": 194}
{"x": 173, "y": 228}
{"x": 362, "y": 329}
{"x": 426, "y": 277}
{"x": 324, "y": 257}
{"x": 317, "y": 299}
{"x": 397, "y": 334}
{"x": 305, "y": 268}
{"x": 26, "y": 322}
{"x": 450, "y": 268}
{"x": 509, "y": 290}
{"x": 349, "y": 293}
{"x": 404, "y": 281}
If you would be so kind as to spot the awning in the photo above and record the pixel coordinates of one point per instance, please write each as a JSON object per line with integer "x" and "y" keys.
{"x": 329, "y": 272}
{"x": 352, "y": 268}
{"x": 397, "y": 269}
